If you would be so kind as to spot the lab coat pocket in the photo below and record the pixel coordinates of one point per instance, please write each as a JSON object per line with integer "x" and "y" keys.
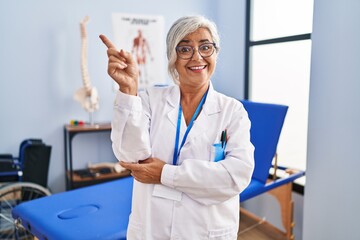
{"x": 217, "y": 152}
{"x": 166, "y": 192}
{"x": 228, "y": 233}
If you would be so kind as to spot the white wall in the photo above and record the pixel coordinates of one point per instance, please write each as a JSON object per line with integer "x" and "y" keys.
{"x": 40, "y": 68}
{"x": 332, "y": 193}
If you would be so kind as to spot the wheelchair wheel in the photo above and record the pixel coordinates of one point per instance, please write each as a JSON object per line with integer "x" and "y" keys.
{"x": 12, "y": 195}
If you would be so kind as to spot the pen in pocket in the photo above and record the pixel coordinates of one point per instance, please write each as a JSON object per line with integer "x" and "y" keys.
{"x": 223, "y": 138}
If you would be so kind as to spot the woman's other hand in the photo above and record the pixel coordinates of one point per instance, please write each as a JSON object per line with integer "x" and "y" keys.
{"x": 122, "y": 68}
{"x": 146, "y": 171}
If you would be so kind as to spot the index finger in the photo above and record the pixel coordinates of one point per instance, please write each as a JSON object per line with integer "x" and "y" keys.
{"x": 107, "y": 41}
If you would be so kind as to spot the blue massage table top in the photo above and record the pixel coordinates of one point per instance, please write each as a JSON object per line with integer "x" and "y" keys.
{"x": 97, "y": 212}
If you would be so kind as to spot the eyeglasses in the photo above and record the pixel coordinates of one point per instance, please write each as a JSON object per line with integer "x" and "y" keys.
{"x": 187, "y": 52}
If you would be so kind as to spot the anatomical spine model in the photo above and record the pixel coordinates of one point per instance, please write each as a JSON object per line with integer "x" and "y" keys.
{"x": 87, "y": 96}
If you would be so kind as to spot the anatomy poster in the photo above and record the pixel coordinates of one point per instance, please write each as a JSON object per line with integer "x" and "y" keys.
{"x": 143, "y": 36}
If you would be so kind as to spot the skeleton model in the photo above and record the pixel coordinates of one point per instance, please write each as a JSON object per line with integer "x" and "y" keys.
{"x": 87, "y": 96}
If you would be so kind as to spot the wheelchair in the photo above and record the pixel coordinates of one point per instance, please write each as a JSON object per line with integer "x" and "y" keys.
{"x": 22, "y": 178}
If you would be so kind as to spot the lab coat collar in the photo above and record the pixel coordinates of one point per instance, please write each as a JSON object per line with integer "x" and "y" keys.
{"x": 211, "y": 107}
{"x": 173, "y": 104}
{"x": 210, "y": 112}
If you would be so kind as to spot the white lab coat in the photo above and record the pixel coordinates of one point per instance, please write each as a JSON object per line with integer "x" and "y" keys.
{"x": 198, "y": 198}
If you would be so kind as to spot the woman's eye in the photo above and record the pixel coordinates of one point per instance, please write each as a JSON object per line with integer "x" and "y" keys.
{"x": 185, "y": 49}
{"x": 205, "y": 48}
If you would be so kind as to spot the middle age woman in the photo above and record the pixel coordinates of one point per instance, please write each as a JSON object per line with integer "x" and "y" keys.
{"x": 187, "y": 146}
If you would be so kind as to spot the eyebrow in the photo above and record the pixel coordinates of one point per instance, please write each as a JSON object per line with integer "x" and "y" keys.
{"x": 188, "y": 41}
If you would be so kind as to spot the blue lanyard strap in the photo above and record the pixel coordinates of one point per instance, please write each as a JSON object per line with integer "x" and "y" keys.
{"x": 177, "y": 149}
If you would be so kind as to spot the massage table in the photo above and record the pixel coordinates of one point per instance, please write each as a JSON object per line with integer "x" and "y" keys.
{"x": 97, "y": 212}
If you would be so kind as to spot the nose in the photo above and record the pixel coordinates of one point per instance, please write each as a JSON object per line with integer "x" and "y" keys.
{"x": 196, "y": 55}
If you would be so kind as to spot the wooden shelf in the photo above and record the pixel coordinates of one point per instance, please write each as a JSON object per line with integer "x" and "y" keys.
{"x": 73, "y": 180}
{"x": 80, "y": 181}
{"x": 97, "y": 176}
{"x": 88, "y": 128}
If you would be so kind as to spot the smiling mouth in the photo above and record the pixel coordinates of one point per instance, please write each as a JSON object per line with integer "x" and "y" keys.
{"x": 197, "y": 67}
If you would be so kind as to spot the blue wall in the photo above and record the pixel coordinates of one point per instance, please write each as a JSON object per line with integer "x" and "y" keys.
{"x": 40, "y": 68}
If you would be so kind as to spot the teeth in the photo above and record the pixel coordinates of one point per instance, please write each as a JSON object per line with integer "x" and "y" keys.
{"x": 197, "y": 67}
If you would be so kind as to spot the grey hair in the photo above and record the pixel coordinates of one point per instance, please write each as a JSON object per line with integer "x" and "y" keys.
{"x": 182, "y": 27}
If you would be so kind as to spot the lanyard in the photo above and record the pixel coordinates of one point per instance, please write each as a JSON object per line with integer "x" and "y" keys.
{"x": 177, "y": 149}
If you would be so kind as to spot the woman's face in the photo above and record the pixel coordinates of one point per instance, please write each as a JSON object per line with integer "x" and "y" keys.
{"x": 197, "y": 70}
